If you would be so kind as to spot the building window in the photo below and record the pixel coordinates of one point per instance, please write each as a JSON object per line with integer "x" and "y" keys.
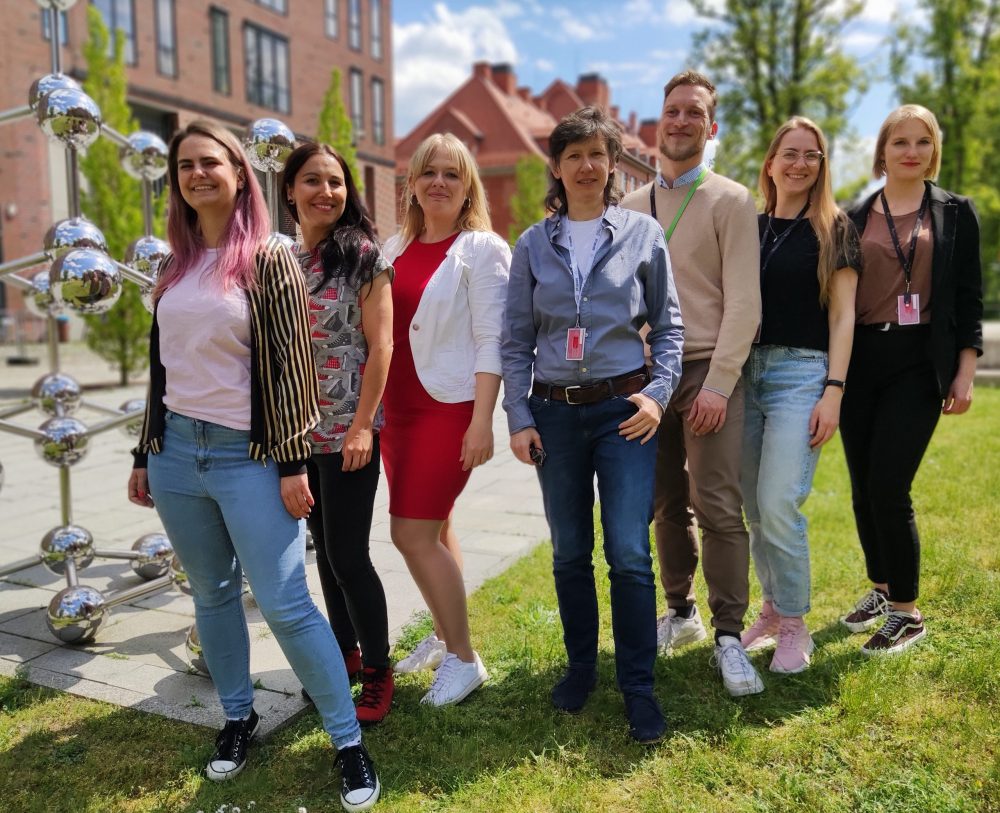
{"x": 378, "y": 111}
{"x": 331, "y": 18}
{"x": 370, "y": 190}
{"x": 281, "y": 6}
{"x": 376, "y": 28}
{"x": 166, "y": 38}
{"x": 220, "y": 51}
{"x": 119, "y": 16}
{"x": 354, "y": 24}
{"x": 47, "y": 26}
{"x": 357, "y": 104}
{"x": 267, "y": 69}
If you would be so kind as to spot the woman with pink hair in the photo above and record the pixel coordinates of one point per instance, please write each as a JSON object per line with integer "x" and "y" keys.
{"x": 232, "y": 389}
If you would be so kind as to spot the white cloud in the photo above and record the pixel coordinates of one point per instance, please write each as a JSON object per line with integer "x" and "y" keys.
{"x": 546, "y": 65}
{"x": 433, "y": 57}
{"x": 863, "y": 40}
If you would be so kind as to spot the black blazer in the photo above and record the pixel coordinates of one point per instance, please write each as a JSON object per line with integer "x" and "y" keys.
{"x": 956, "y": 279}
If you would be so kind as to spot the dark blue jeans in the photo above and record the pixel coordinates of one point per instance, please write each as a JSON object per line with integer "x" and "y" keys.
{"x": 581, "y": 441}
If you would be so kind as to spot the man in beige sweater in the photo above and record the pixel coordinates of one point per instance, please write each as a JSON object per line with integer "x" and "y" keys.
{"x": 711, "y": 228}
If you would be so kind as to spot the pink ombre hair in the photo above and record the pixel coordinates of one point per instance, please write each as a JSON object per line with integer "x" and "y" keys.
{"x": 249, "y": 224}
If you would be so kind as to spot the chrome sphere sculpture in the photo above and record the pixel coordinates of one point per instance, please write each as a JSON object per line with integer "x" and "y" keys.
{"x": 40, "y": 301}
{"x": 179, "y": 576}
{"x": 57, "y": 394}
{"x": 46, "y": 84}
{"x": 133, "y": 428}
{"x": 145, "y": 157}
{"x": 155, "y": 553}
{"x": 75, "y": 614}
{"x": 195, "y": 653}
{"x": 85, "y": 280}
{"x": 69, "y": 115}
{"x": 64, "y": 441}
{"x": 73, "y": 232}
{"x": 145, "y": 255}
{"x": 269, "y": 142}
{"x": 67, "y": 542}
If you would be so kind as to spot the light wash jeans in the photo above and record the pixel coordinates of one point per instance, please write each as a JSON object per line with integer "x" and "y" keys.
{"x": 224, "y": 516}
{"x": 782, "y": 386}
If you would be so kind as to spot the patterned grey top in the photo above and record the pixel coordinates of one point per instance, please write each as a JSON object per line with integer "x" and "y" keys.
{"x": 340, "y": 351}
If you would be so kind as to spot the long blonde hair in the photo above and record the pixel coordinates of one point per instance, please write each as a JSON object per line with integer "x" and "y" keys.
{"x": 892, "y": 121}
{"x": 475, "y": 215}
{"x": 828, "y": 220}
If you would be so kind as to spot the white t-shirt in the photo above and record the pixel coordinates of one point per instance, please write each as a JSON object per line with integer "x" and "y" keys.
{"x": 585, "y": 239}
{"x": 205, "y": 348}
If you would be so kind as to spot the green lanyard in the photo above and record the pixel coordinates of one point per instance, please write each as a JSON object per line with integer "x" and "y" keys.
{"x": 668, "y": 232}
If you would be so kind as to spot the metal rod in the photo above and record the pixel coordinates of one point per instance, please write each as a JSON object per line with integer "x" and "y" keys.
{"x": 113, "y": 135}
{"x": 111, "y": 423}
{"x": 54, "y": 50}
{"x": 133, "y": 275}
{"x": 18, "y": 282}
{"x": 52, "y": 328}
{"x": 100, "y": 408}
{"x": 147, "y": 207}
{"x": 23, "y": 431}
{"x": 20, "y": 564}
{"x": 10, "y": 412}
{"x": 271, "y": 187}
{"x": 72, "y": 579}
{"x": 138, "y": 591}
{"x": 72, "y": 182}
{"x": 65, "y": 496}
{"x": 15, "y": 113}
{"x": 116, "y": 554}
{"x": 24, "y": 262}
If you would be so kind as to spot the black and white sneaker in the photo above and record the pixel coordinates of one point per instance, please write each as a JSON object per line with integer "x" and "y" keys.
{"x": 359, "y": 785}
{"x": 231, "y": 748}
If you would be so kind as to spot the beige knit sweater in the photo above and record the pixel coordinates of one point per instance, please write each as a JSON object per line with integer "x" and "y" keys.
{"x": 715, "y": 258}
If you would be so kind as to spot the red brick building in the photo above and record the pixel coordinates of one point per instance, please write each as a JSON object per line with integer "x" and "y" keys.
{"x": 231, "y": 60}
{"x": 500, "y": 122}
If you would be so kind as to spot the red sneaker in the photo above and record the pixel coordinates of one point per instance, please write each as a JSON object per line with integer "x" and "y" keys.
{"x": 352, "y": 661}
{"x": 377, "y": 688}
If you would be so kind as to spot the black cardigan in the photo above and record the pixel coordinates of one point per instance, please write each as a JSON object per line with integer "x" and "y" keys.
{"x": 956, "y": 279}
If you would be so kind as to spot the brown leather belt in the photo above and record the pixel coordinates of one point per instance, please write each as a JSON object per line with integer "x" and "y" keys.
{"x": 627, "y": 384}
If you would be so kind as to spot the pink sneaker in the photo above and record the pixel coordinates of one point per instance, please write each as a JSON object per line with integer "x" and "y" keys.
{"x": 762, "y": 631}
{"x": 795, "y": 645}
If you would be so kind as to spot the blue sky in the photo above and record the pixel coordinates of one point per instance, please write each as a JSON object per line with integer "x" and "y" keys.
{"x": 635, "y": 44}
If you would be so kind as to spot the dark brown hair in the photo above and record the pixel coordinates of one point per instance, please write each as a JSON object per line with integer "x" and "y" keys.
{"x": 583, "y": 125}
{"x": 697, "y": 80}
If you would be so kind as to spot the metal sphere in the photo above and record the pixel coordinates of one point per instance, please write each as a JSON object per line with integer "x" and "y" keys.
{"x": 268, "y": 143}
{"x": 145, "y": 255}
{"x": 154, "y": 555}
{"x": 133, "y": 428}
{"x": 73, "y": 232}
{"x": 195, "y": 653}
{"x": 40, "y": 301}
{"x": 69, "y": 115}
{"x": 179, "y": 576}
{"x": 145, "y": 157}
{"x": 85, "y": 280}
{"x": 57, "y": 394}
{"x": 46, "y": 84}
{"x": 67, "y": 542}
{"x": 65, "y": 441}
{"x": 76, "y": 614}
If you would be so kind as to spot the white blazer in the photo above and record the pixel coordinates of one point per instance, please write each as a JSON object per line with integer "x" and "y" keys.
{"x": 455, "y": 331}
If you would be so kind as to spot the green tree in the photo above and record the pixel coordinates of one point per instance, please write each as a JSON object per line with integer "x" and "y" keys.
{"x": 113, "y": 201}
{"x": 528, "y": 204}
{"x": 773, "y": 59}
{"x": 951, "y": 65}
{"x": 334, "y": 127}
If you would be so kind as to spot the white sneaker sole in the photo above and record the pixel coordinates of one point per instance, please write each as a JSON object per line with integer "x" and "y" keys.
{"x": 744, "y": 690}
{"x": 366, "y": 804}
{"x": 864, "y": 626}
{"x": 896, "y": 650}
{"x": 466, "y": 691}
{"x": 424, "y": 665}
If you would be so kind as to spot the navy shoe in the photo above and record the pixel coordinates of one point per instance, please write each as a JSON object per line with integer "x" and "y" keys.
{"x": 645, "y": 719}
{"x": 571, "y": 693}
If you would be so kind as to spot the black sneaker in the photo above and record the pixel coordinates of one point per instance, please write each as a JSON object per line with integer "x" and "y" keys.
{"x": 645, "y": 719}
{"x": 870, "y": 610}
{"x": 899, "y": 632}
{"x": 359, "y": 785}
{"x": 231, "y": 748}
{"x": 571, "y": 693}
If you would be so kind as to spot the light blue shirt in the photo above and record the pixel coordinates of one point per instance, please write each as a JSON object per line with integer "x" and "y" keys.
{"x": 629, "y": 285}
{"x": 687, "y": 178}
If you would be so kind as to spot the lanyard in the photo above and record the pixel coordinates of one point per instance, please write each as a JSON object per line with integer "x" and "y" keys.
{"x": 906, "y": 262}
{"x": 765, "y": 257}
{"x": 579, "y": 278}
{"x": 669, "y": 232}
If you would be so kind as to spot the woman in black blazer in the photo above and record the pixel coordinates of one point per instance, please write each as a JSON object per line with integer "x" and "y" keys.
{"x": 918, "y": 335}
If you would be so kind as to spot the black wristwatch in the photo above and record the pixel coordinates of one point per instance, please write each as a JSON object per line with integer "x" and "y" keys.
{"x": 833, "y": 382}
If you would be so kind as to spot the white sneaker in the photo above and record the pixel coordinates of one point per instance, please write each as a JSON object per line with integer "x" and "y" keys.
{"x": 455, "y": 680}
{"x": 738, "y": 674}
{"x": 674, "y": 631}
{"x": 428, "y": 655}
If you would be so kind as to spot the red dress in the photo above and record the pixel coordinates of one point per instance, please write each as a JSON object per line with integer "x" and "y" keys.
{"x": 422, "y": 438}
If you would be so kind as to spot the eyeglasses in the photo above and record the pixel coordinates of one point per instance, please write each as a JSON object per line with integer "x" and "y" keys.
{"x": 811, "y": 157}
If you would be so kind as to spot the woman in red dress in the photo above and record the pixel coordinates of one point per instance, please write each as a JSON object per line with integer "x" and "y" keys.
{"x": 448, "y": 301}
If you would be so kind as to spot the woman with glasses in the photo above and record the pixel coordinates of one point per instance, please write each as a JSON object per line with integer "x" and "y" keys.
{"x": 919, "y": 333}
{"x": 794, "y": 377}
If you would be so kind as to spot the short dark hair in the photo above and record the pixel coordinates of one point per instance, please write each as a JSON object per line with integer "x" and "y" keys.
{"x": 697, "y": 80}
{"x": 582, "y": 125}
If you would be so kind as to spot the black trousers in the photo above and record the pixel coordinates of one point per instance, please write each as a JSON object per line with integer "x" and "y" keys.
{"x": 890, "y": 408}
{"x": 340, "y": 523}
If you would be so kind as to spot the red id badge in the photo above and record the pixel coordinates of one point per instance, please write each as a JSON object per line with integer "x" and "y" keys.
{"x": 908, "y": 314}
{"x": 575, "y": 339}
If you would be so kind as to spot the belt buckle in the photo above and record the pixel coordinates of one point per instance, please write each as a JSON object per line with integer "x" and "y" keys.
{"x": 568, "y": 390}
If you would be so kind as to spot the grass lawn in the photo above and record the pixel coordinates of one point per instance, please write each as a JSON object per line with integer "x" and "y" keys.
{"x": 920, "y": 732}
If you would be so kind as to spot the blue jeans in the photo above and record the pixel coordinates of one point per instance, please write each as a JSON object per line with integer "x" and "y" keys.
{"x": 581, "y": 440}
{"x": 782, "y": 386}
{"x": 224, "y": 515}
